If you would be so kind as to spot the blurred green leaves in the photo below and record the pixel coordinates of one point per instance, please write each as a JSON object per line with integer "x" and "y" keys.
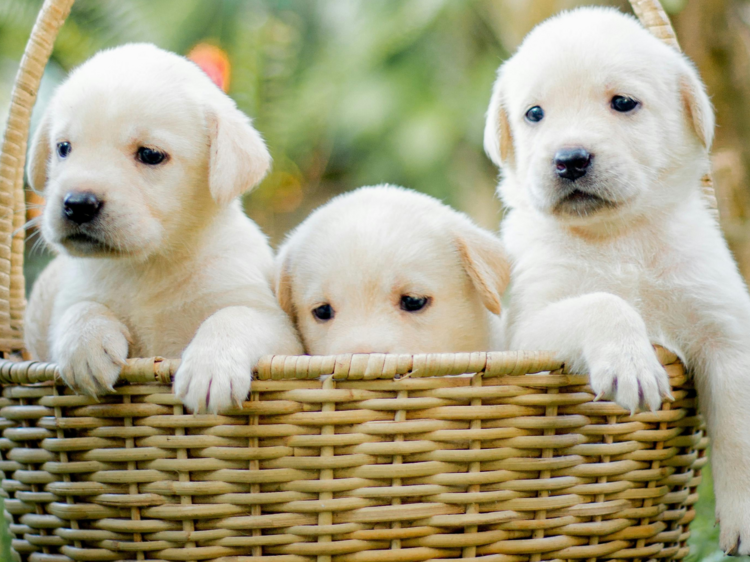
{"x": 346, "y": 92}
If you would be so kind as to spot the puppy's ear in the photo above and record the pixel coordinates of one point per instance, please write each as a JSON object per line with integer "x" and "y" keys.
{"x": 283, "y": 284}
{"x": 698, "y": 108}
{"x": 486, "y": 263}
{"x": 39, "y": 154}
{"x": 498, "y": 141}
{"x": 238, "y": 156}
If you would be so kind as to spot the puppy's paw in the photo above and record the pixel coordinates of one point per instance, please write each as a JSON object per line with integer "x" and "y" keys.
{"x": 213, "y": 377}
{"x": 630, "y": 374}
{"x": 91, "y": 355}
{"x": 734, "y": 523}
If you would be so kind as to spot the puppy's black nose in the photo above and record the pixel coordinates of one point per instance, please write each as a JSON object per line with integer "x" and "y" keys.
{"x": 81, "y": 206}
{"x": 572, "y": 163}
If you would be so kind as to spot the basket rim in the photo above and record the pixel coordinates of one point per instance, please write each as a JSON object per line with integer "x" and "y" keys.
{"x": 352, "y": 366}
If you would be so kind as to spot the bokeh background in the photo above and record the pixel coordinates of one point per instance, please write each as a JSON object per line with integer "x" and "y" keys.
{"x": 361, "y": 92}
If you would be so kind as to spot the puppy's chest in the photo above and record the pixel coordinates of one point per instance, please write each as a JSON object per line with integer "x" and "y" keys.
{"x": 160, "y": 321}
{"x": 637, "y": 278}
{"x": 160, "y": 330}
{"x": 630, "y": 279}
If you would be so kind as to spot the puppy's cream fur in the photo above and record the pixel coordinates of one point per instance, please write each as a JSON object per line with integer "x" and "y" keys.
{"x": 171, "y": 259}
{"x": 600, "y": 283}
{"x": 364, "y": 250}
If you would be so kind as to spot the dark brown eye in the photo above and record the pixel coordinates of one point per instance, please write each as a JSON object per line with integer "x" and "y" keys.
{"x": 411, "y": 303}
{"x": 324, "y": 312}
{"x": 63, "y": 149}
{"x": 150, "y": 156}
{"x": 624, "y": 104}
{"x": 535, "y": 114}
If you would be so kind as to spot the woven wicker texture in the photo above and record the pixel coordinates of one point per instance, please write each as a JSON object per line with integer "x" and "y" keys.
{"x": 498, "y": 457}
{"x": 385, "y": 459}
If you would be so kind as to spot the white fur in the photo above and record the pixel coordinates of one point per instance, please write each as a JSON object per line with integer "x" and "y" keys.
{"x": 362, "y": 251}
{"x": 175, "y": 261}
{"x": 599, "y": 286}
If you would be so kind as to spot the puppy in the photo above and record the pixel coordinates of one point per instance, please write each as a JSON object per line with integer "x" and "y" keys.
{"x": 602, "y": 133}
{"x": 388, "y": 270}
{"x": 142, "y": 159}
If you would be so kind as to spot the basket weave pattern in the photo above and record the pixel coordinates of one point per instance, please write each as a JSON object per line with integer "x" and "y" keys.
{"x": 385, "y": 459}
{"x": 498, "y": 457}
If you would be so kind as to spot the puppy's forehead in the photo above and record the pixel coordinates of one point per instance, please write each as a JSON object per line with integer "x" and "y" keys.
{"x": 366, "y": 271}
{"x": 587, "y": 48}
{"x": 360, "y": 238}
{"x": 138, "y": 85}
{"x": 377, "y": 245}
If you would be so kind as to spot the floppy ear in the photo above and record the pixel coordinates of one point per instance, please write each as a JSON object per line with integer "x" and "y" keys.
{"x": 39, "y": 154}
{"x": 697, "y": 106}
{"x": 486, "y": 263}
{"x": 498, "y": 141}
{"x": 283, "y": 284}
{"x": 238, "y": 158}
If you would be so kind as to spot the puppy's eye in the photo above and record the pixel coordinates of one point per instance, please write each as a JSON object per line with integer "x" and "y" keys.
{"x": 410, "y": 303}
{"x": 63, "y": 149}
{"x": 324, "y": 312}
{"x": 150, "y": 156}
{"x": 624, "y": 104}
{"x": 535, "y": 114}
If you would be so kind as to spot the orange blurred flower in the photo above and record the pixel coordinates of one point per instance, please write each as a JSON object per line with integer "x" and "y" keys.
{"x": 214, "y": 62}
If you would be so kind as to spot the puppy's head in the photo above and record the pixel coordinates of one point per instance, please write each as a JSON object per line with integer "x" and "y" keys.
{"x": 136, "y": 152}
{"x": 595, "y": 118}
{"x": 388, "y": 270}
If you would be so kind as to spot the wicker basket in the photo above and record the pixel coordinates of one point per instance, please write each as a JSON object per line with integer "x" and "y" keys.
{"x": 351, "y": 458}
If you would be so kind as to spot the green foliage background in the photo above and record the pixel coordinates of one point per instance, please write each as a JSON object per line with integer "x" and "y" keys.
{"x": 346, "y": 93}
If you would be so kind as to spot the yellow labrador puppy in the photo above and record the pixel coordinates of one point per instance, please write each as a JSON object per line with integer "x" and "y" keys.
{"x": 602, "y": 133}
{"x": 389, "y": 270}
{"x": 142, "y": 159}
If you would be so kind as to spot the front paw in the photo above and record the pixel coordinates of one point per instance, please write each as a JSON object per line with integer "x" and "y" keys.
{"x": 91, "y": 357}
{"x": 630, "y": 374}
{"x": 734, "y": 522}
{"x": 211, "y": 379}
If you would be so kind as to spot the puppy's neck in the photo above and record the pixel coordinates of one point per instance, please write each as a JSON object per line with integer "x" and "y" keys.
{"x": 648, "y": 225}
{"x": 605, "y": 231}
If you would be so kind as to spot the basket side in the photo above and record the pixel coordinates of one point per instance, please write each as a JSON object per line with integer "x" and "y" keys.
{"x": 503, "y": 464}
{"x": 12, "y": 161}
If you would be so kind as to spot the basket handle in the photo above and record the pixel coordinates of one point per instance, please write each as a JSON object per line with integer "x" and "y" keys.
{"x": 12, "y": 162}
{"x": 13, "y": 156}
{"x": 655, "y": 19}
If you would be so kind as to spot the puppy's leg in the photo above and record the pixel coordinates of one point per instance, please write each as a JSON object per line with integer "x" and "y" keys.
{"x": 603, "y": 334}
{"x": 39, "y": 311}
{"x": 90, "y": 345}
{"x": 216, "y": 367}
{"x": 723, "y": 383}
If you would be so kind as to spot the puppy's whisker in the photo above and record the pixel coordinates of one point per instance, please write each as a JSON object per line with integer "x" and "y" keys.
{"x": 30, "y": 223}
{"x": 38, "y": 241}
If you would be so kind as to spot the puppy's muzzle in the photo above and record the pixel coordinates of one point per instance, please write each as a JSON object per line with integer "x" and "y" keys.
{"x": 81, "y": 206}
{"x": 572, "y": 163}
